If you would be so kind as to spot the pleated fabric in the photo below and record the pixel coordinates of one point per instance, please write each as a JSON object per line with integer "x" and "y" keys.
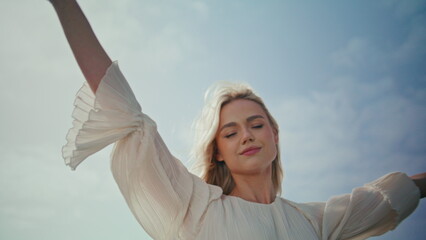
{"x": 171, "y": 203}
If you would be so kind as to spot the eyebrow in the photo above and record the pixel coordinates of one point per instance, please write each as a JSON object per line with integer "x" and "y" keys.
{"x": 232, "y": 124}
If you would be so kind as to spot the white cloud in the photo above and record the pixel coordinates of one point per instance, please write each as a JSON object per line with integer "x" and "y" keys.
{"x": 337, "y": 136}
{"x": 358, "y": 53}
{"x": 405, "y": 8}
{"x": 201, "y": 8}
{"x": 352, "y": 54}
{"x": 345, "y": 135}
{"x": 414, "y": 45}
{"x": 42, "y": 198}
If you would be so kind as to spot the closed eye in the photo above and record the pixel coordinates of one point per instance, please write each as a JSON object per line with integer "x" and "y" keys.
{"x": 230, "y": 135}
{"x": 258, "y": 126}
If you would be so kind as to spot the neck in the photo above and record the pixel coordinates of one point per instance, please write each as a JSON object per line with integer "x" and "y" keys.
{"x": 254, "y": 188}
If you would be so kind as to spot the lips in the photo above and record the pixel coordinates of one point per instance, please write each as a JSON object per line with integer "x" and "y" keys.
{"x": 250, "y": 151}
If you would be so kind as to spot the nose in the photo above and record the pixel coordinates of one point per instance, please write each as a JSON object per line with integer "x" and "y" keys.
{"x": 247, "y": 136}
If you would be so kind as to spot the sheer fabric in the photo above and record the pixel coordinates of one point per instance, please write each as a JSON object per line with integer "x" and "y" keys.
{"x": 171, "y": 203}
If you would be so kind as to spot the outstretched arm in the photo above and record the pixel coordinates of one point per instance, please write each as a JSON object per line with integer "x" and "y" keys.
{"x": 420, "y": 181}
{"x": 90, "y": 56}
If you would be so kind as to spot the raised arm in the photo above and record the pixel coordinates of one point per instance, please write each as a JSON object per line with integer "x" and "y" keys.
{"x": 90, "y": 56}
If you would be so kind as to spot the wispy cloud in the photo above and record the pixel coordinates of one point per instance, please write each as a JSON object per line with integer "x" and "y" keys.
{"x": 362, "y": 116}
{"x": 405, "y": 8}
{"x": 351, "y": 125}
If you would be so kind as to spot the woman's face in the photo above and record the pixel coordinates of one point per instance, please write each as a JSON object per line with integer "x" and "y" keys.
{"x": 245, "y": 139}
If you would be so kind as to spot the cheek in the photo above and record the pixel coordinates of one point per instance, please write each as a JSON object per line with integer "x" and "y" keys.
{"x": 269, "y": 136}
{"x": 271, "y": 139}
{"x": 221, "y": 150}
{"x": 224, "y": 147}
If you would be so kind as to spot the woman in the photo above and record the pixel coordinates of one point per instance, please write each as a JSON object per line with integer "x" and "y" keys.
{"x": 233, "y": 113}
{"x": 238, "y": 149}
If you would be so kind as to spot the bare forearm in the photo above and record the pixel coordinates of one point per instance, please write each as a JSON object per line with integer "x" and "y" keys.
{"x": 420, "y": 181}
{"x": 90, "y": 56}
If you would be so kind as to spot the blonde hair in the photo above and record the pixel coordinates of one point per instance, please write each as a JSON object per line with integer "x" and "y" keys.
{"x": 205, "y": 149}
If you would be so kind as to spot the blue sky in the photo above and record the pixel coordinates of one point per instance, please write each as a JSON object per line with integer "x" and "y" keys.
{"x": 346, "y": 81}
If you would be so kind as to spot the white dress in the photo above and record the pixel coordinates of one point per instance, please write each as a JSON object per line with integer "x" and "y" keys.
{"x": 171, "y": 203}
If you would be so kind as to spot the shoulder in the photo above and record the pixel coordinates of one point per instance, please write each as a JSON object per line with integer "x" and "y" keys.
{"x": 311, "y": 211}
{"x": 308, "y": 208}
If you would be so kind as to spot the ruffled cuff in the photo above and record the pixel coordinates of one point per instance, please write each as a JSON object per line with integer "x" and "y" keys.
{"x": 101, "y": 119}
{"x": 400, "y": 191}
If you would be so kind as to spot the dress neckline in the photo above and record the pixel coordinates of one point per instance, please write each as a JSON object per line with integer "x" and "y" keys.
{"x": 252, "y": 203}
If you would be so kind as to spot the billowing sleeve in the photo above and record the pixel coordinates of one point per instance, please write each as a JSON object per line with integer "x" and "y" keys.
{"x": 370, "y": 210}
{"x": 160, "y": 192}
